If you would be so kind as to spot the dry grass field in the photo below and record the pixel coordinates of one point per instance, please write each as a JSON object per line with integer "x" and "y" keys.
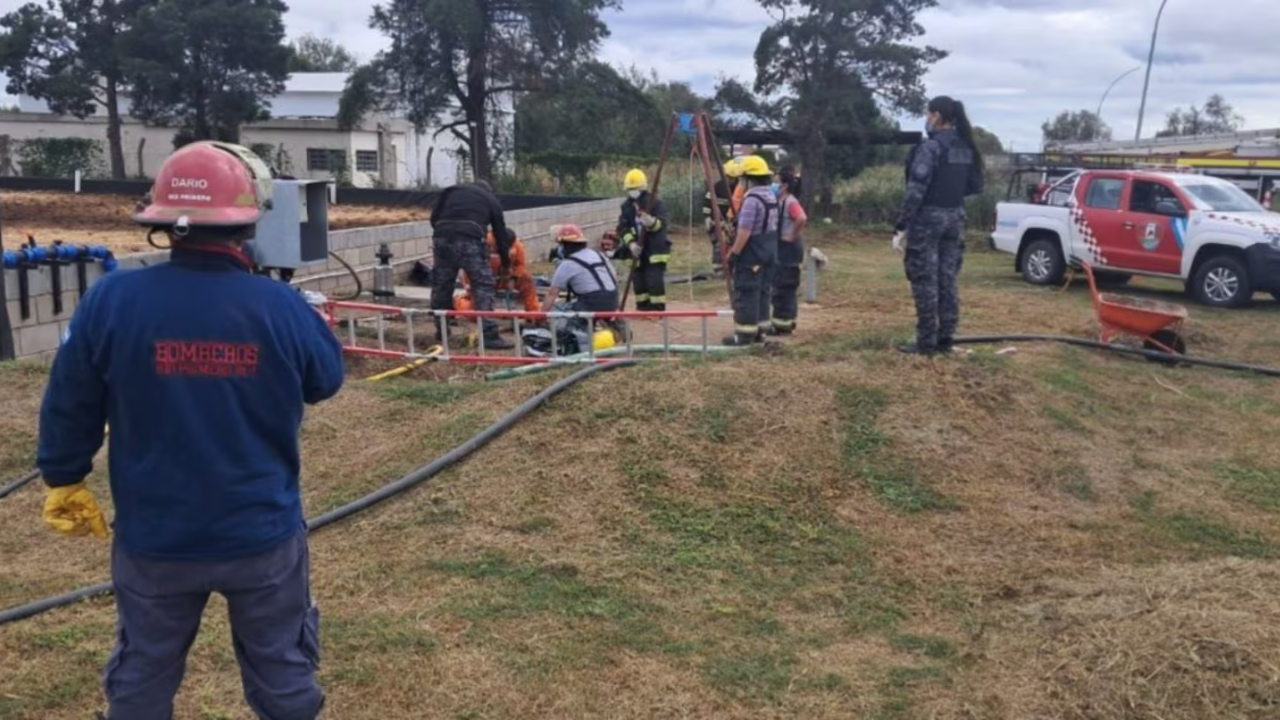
{"x": 829, "y": 530}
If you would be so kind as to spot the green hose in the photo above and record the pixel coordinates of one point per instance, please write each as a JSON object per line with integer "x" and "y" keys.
{"x": 611, "y": 352}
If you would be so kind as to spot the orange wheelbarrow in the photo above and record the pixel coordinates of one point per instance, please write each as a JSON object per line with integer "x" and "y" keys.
{"x": 1157, "y": 324}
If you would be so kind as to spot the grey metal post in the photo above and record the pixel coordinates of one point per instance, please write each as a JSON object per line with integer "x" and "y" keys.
{"x": 810, "y": 279}
{"x": 1151, "y": 56}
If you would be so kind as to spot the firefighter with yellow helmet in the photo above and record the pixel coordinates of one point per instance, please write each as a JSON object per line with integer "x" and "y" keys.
{"x": 642, "y": 232}
{"x": 753, "y": 258}
{"x": 722, "y": 195}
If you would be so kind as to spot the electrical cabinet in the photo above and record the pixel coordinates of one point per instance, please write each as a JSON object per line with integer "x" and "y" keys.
{"x": 295, "y": 231}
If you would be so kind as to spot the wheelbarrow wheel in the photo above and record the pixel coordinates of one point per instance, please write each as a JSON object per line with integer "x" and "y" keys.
{"x": 1170, "y": 339}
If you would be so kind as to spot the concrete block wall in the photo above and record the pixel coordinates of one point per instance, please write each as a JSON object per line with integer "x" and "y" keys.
{"x": 38, "y": 336}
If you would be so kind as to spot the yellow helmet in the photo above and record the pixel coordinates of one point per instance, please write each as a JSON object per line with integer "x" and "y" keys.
{"x": 733, "y": 168}
{"x": 755, "y": 166}
{"x": 604, "y": 340}
{"x": 635, "y": 180}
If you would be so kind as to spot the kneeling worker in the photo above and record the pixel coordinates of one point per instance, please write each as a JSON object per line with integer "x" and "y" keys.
{"x": 585, "y": 274}
{"x": 517, "y": 278}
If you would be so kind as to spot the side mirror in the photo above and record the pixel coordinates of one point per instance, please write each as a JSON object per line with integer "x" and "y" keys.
{"x": 1169, "y": 208}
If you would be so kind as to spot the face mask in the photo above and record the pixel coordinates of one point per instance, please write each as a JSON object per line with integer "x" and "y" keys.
{"x": 928, "y": 127}
{"x": 777, "y": 189}
{"x": 634, "y": 194}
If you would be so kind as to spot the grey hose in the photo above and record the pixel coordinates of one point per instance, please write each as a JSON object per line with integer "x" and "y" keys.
{"x": 16, "y": 485}
{"x": 1149, "y": 354}
{"x": 422, "y": 474}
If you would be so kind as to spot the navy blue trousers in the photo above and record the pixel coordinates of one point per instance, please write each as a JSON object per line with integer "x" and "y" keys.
{"x": 274, "y": 627}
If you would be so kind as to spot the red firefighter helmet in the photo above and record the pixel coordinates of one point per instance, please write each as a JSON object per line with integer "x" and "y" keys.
{"x": 208, "y": 184}
{"x": 570, "y": 233}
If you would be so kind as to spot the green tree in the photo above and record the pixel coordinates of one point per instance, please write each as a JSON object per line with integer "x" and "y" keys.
{"x": 1082, "y": 126}
{"x": 593, "y": 110}
{"x": 316, "y": 54}
{"x": 69, "y": 53}
{"x": 821, "y": 55}
{"x": 452, "y": 61}
{"x": 1215, "y": 116}
{"x": 988, "y": 142}
{"x": 207, "y": 66}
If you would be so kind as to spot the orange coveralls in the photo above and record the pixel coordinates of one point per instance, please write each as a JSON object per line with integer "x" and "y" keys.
{"x": 517, "y": 279}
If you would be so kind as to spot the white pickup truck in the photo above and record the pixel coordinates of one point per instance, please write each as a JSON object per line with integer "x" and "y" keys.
{"x": 1201, "y": 230}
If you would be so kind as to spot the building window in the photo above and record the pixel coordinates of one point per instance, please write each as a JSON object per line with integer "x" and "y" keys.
{"x": 326, "y": 159}
{"x": 367, "y": 161}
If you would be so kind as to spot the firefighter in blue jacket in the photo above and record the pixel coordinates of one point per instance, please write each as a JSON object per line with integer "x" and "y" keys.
{"x": 202, "y": 370}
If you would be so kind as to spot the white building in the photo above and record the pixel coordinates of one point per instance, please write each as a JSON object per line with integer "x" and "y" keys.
{"x": 301, "y": 139}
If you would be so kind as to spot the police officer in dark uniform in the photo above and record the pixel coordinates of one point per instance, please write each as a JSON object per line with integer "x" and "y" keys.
{"x": 461, "y": 219}
{"x": 941, "y": 173}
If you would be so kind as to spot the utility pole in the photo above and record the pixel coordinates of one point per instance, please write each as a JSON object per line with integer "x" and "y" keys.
{"x": 1151, "y": 55}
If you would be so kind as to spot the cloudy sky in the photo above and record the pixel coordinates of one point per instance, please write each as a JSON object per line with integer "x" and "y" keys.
{"x": 1014, "y": 62}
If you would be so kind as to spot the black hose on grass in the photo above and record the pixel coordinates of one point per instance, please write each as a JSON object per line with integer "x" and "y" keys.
{"x": 1155, "y": 355}
{"x": 422, "y": 474}
{"x": 16, "y": 485}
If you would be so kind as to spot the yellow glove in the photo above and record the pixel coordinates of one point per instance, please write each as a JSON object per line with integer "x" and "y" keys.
{"x": 73, "y": 511}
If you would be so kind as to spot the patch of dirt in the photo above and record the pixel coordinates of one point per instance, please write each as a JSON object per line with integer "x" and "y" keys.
{"x": 106, "y": 219}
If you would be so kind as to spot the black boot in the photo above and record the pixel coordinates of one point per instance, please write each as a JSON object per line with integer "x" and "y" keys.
{"x": 946, "y": 345}
{"x": 493, "y": 340}
{"x": 914, "y": 349}
{"x": 740, "y": 340}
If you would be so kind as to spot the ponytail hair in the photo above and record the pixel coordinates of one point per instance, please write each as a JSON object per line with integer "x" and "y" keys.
{"x": 952, "y": 112}
{"x": 791, "y": 180}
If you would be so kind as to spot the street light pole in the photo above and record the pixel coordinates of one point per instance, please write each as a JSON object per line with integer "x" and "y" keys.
{"x": 1151, "y": 55}
{"x": 1110, "y": 87}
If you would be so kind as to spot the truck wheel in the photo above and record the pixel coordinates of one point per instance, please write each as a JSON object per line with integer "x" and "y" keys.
{"x": 1222, "y": 281}
{"x": 1042, "y": 263}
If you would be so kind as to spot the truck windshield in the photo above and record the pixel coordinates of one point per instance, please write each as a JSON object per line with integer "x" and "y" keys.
{"x": 1222, "y": 197}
